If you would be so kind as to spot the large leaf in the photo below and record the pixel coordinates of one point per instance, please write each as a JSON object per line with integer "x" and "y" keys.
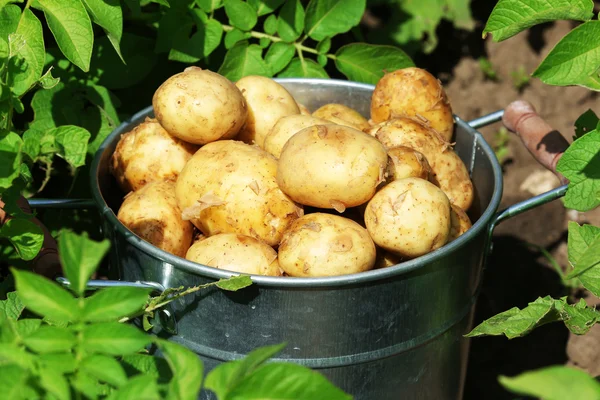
{"x": 55, "y": 383}
{"x": 10, "y": 158}
{"x": 12, "y": 380}
{"x": 111, "y": 304}
{"x": 290, "y": 23}
{"x": 138, "y": 387}
{"x": 26, "y": 236}
{"x": 187, "y": 370}
{"x": 72, "y": 143}
{"x": 113, "y": 338}
{"x": 240, "y": 14}
{"x": 554, "y": 383}
{"x": 579, "y": 241}
{"x": 510, "y": 17}
{"x": 28, "y": 53}
{"x": 279, "y": 56}
{"x": 326, "y": 18}
{"x": 45, "y": 297}
{"x": 243, "y": 60}
{"x": 303, "y": 67}
{"x": 70, "y": 25}
{"x": 105, "y": 369}
{"x": 368, "y": 63}
{"x": 109, "y": 15}
{"x": 12, "y": 307}
{"x": 580, "y": 164}
{"x": 80, "y": 256}
{"x": 200, "y": 45}
{"x": 50, "y": 339}
{"x": 575, "y": 60}
{"x": 60, "y": 362}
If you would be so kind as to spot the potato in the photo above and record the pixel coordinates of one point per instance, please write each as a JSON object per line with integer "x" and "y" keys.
{"x": 287, "y": 127}
{"x": 405, "y": 162}
{"x": 153, "y": 215}
{"x": 342, "y": 115}
{"x": 386, "y": 259}
{"x": 409, "y": 217}
{"x": 268, "y": 101}
{"x": 322, "y": 244}
{"x": 459, "y": 222}
{"x": 199, "y": 106}
{"x": 303, "y": 109}
{"x": 448, "y": 169}
{"x": 148, "y": 153}
{"x": 230, "y": 187}
{"x": 331, "y": 166}
{"x": 413, "y": 92}
{"x": 238, "y": 253}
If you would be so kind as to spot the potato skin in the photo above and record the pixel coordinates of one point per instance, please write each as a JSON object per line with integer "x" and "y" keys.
{"x": 148, "y": 153}
{"x": 409, "y": 217}
{"x": 267, "y": 101}
{"x": 303, "y": 109}
{"x": 342, "y": 115}
{"x": 413, "y": 92}
{"x": 331, "y": 166}
{"x": 238, "y": 253}
{"x": 287, "y": 127}
{"x": 449, "y": 171}
{"x": 153, "y": 215}
{"x": 230, "y": 187}
{"x": 459, "y": 222}
{"x": 405, "y": 162}
{"x": 199, "y": 106}
{"x": 386, "y": 259}
{"x": 322, "y": 244}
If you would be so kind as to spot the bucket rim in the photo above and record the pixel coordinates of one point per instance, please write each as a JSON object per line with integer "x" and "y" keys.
{"x": 480, "y": 227}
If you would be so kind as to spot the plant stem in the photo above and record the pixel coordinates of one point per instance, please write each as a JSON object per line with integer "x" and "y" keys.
{"x": 255, "y": 34}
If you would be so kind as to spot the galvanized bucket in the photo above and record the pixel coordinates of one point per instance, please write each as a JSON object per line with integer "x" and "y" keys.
{"x": 383, "y": 334}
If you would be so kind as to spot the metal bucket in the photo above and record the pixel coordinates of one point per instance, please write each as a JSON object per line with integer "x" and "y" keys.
{"x": 382, "y": 334}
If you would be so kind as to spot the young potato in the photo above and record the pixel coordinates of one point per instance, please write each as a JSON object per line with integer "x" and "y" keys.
{"x": 322, "y": 244}
{"x": 386, "y": 259}
{"x": 303, "y": 109}
{"x": 413, "y": 92}
{"x": 230, "y": 187}
{"x": 449, "y": 171}
{"x": 409, "y": 217}
{"x": 342, "y": 115}
{"x": 331, "y": 166}
{"x": 199, "y": 106}
{"x": 238, "y": 253}
{"x": 405, "y": 162}
{"x": 153, "y": 215}
{"x": 268, "y": 101}
{"x": 460, "y": 222}
{"x": 148, "y": 153}
{"x": 287, "y": 127}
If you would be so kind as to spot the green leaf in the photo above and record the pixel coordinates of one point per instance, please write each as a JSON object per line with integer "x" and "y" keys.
{"x": 579, "y": 241}
{"x": 60, "y": 362}
{"x": 27, "y": 326}
{"x": 71, "y": 27}
{"x": 459, "y": 12}
{"x": 303, "y": 68}
{"x": 12, "y": 380}
{"x": 55, "y": 383}
{"x": 113, "y": 338}
{"x": 26, "y": 236}
{"x": 324, "y": 46}
{"x": 326, "y": 18}
{"x": 234, "y": 36}
{"x": 240, "y": 14}
{"x": 270, "y": 24}
{"x": 286, "y": 381}
{"x": 322, "y": 60}
{"x": 264, "y": 7}
{"x": 510, "y": 17}
{"x": 108, "y": 15}
{"x": 72, "y": 142}
{"x": 575, "y": 60}
{"x": 114, "y": 303}
{"x": 148, "y": 365}
{"x": 80, "y": 256}
{"x": 14, "y": 354}
{"x": 202, "y": 43}
{"x": 587, "y": 122}
{"x": 588, "y": 257}
{"x": 368, "y": 63}
{"x": 187, "y": 370}
{"x": 86, "y": 385}
{"x": 290, "y": 23}
{"x": 243, "y": 60}
{"x": 138, "y": 387}
{"x": 209, "y": 5}
{"x": 26, "y": 45}
{"x": 10, "y": 158}
{"x": 579, "y": 318}
{"x": 105, "y": 369}
{"x": 174, "y": 27}
{"x": 553, "y": 383}
{"x": 9, "y": 20}
{"x": 45, "y": 297}
{"x": 47, "y": 81}
{"x": 279, "y": 56}
{"x": 12, "y": 307}
{"x": 234, "y": 283}
{"x": 580, "y": 165}
{"x": 50, "y": 339}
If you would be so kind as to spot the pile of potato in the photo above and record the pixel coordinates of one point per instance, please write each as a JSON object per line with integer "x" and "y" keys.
{"x": 239, "y": 176}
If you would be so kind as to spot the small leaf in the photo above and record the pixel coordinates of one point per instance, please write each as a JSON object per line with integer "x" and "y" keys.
{"x": 12, "y": 307}
{"x": 240, "y": 14}
{"x": 10, "y": 158}
{"x": 209, "y": 5}
{"x": 108, "y": 15}
{"x": 50, "y": 339}
{"x": 553, "y": 383}
{"x": 243, "y": 60}
{"x": 270, "y": 24}
{"x": 14, "y": 354}
{"x": 581, "y": 166}
{"x": 59, "y": 362}
{"x": 234, "y": 283}
{"x": 55, "y": 383}
{"x": 47, "y": 81}
{"x": 290, "y": 23}
{"x": 187, "y": 370}
{"x": 587, "y": 122}
{"x": 113, "y": 303}
{"x": 86, "y": 385}
{"x": 113, "y": 338}
{"x": 368, "y": 63}
{"x": 138, "y": 387}
{"x": 148, "y": 365}
{"x": 80, "y": 256}
{"x": 264, "y": 7}
{"x": 578, "y": 318}
{"x": 327, "y": 18}
{"x": 234, "y": 36}
{"x": 71, "y": 27}
{"x": 105, "y": 369}
{"x": 322, "y": 60}
{"x": 510, "y": 17}
{"x": 26, "y": 236}
{"x": 279, "y": 56}
{"x": 324, "y": 46}
{"x": 32, "y": 51}
{"x": 72, "y": 142}
{"x": 303, "y": 68}
{"x": 12, "y": 380}
{"x": 45, "y": 297}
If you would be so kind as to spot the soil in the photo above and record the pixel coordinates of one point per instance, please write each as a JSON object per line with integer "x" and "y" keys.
{"x": 517, "y": 272}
